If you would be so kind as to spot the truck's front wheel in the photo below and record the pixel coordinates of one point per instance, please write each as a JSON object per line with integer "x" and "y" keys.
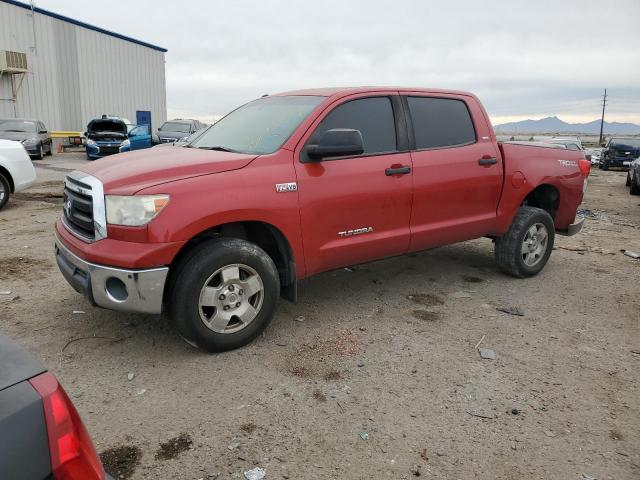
{"x": 223, "y": 294}
{"x": 524, "y": 250}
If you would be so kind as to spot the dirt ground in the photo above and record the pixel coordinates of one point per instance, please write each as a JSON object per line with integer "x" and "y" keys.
{"x": 374, "y": 374}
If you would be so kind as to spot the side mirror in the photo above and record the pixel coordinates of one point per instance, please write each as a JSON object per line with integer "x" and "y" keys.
{"x": 159, "y": 129}
{"x": 42, "y": 131}
{"x": 337, "y": 142}
{"x": 155, "y": 140}
{"x": 86, "y": 133}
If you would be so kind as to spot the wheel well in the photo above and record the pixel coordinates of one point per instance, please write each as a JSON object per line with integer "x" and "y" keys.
{"x": 545, "y": 197}
{"x": 5, "y": 173}
{"x": 262, "y": 234}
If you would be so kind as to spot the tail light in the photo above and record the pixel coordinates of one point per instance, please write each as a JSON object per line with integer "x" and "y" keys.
{"x": 585, "y": 166}
{"x": 73, "y": 456}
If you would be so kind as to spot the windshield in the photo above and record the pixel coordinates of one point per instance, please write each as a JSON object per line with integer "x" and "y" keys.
{"x": 175, "y": 127}
{"x": 17, "y": 126}
{"x": 630, "y": 143}
{"x": 570, "y": 144}
{"x": 259, "y": 127}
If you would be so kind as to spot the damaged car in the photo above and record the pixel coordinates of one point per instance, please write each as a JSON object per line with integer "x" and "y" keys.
{"x": 110, "y": 135}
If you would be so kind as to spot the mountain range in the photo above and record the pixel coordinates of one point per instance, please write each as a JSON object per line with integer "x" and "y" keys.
{"x": 555, "y": 125}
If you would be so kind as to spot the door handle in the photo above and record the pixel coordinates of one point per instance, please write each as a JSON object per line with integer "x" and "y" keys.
{"x": 488, "y": 160}
{"x": 397, "y": 171}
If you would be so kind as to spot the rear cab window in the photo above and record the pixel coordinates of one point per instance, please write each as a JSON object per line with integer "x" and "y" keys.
{"x": 440, "y": 122}
{"x": 372, "y": 116}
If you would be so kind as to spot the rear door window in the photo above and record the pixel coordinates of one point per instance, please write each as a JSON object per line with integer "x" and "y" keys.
{"x": 440, "y": 122}
{"x": 372, "y": 116}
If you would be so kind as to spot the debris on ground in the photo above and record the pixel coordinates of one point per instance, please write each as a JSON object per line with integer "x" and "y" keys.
{"x": 586, "y": 476}
{"x": 415, "y": 470}
{"x": 234, "y": 444}
{"x": 631, "y": 254}
{"x": 511, "y": 311}
{"x": 586, "y": 213}
{"x": 300, "y": 318}
{"x": 479, "y": 415}
{"x": 78, "y": 312}
{"x": 255, "y": 474}
{"x": 5, "y": 292}
{"x": 130, "y": 376}
{"x": 364, "y": 435}
{"x": 360, "y": 363}
{"x": 487, "y": 353}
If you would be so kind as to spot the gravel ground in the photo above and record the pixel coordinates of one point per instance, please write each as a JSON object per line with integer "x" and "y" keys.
{"x": 374, "y": 374}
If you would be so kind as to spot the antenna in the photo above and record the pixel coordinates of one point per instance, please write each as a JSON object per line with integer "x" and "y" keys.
{"x": 604, "y": 104}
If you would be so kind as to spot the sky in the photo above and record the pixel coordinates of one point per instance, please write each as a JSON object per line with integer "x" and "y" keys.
{"x": 524, "y": 59}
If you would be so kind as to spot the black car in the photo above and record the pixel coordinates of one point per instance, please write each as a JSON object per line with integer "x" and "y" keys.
{"x": 174, "y": 130}
{"x": 41, "y": 434}
{"x": 619, "y": 153}
{"x": 31, "y": 133}
{"x": 633, "y": 177}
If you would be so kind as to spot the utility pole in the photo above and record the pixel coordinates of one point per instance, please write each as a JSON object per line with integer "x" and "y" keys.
{"x": 604, "y": 104}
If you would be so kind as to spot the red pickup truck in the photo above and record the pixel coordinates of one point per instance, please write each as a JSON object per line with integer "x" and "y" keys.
{"x": 302, "y": 182}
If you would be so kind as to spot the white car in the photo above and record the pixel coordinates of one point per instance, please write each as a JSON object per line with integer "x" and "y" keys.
{"x": 16, "y": 170}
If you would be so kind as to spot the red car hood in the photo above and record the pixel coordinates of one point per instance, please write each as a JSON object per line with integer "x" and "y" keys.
{"x": 128, "y": 173}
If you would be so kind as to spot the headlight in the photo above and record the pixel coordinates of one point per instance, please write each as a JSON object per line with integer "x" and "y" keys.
{"x": 135, "y": 210}
{"x": 29, "y": 141}
{"x": 125, "y": 144}
{"x": 90, "y": 143}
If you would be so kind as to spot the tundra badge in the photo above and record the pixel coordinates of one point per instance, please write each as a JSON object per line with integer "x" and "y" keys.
{"x": 286, "y": 187}
{"x": 357, "y": 231}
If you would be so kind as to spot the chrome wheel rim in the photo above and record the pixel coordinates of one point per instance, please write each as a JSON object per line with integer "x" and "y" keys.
{"x": 231, "y": 298}
{"x": 534, "y": 244}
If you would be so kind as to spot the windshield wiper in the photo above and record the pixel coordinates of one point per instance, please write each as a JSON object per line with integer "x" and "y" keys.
{"x": 19, "y": 131}
{"x": 219, "y": 148}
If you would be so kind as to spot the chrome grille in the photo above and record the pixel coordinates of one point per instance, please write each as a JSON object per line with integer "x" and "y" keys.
{"x": 84, "y": 211}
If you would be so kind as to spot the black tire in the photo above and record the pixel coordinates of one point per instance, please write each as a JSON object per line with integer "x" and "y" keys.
{"x": 508, "y": 249}
{"x": 628, "y": 182}
{"x": 40, "y": 154}
{"x": 191, "y": 275}
{"x": 635, "y": 185}
{"x": 50, "y": 150}
{"x": 5, "y": 190}
{"x": 605, "y": 166}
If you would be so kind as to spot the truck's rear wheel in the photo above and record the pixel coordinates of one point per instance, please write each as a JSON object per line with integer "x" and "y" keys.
{"x": 524, "y": 250}
{"x": 223, "y": 294}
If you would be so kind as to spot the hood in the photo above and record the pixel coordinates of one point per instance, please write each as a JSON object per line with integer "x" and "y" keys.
{"x": 18, "y": 136}
{"x": 128, "y": 173}
{"x": 106, "y": 128}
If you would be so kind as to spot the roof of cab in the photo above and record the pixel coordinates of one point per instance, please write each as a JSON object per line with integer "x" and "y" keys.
{"x": 343, "y": 91}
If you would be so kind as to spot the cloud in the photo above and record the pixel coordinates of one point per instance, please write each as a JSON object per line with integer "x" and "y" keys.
{"x": 522, "y": 58}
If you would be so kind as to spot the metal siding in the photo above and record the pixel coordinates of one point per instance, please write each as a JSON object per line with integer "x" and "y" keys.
{"x": 77, "y": 74}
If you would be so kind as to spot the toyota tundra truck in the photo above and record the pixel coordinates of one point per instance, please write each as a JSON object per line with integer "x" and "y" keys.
{"x": 298, "y": 183}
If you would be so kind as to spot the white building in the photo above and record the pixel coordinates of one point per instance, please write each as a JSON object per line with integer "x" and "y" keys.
{"x": 66, "y": 72}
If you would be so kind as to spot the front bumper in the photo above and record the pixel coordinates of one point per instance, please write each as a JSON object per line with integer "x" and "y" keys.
{"x": 618, "y": 162}
{"x": 574, "y": 228}
{"x": 113, "y": 288}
